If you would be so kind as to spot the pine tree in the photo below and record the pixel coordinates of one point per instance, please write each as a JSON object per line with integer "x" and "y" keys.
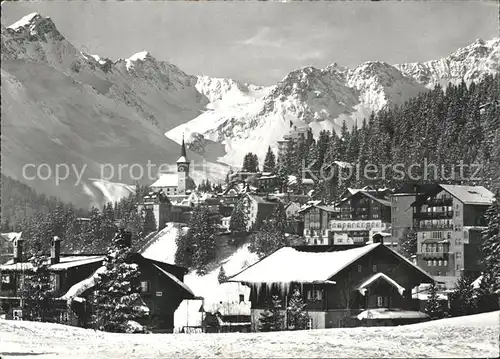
{"x": 269, "y": 161}
{"x": 149, "y": 224}
{"x": 486, "y": 299}
{"x": 462, "y": 298}
{"x": 272, "y": 236}
{"x": 250, "y": 163}
{"x": 271, "y": 319}
{"x": 408, "y": 245}
{"x": 491, "y": 244}
{"x": 296, "y": 315}
{"x": 117, "y": 300}
{"x": 238, "y": 220}
{"x": 432, "y": 306}
{"x": 222, "y": 278}
{"x": 38, "y": 290}
{"x": 197, "y": 247}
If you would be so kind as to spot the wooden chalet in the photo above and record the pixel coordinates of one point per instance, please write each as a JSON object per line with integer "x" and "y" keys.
{"x": 75, "y": 276}
{"x": 342, "y": 287}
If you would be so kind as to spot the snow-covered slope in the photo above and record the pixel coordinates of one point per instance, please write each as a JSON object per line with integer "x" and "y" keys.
{"x": 162, "y": 247}
{"x": 470, "y": 336}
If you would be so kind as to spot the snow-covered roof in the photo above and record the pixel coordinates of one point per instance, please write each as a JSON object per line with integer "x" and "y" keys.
{"x": 384, "y": 313}
{"x": 470, "y": 194}
{"x": 175, "y": 279}
{"x": 288, "y": 265}
{"x": 477, "y": 282}
{"x": 363, "y": 287}
{"x": 65, "y": 263}
{"x": 11, "y": 236}
{"x": 83, "y": 285}
{"x": 167, "y": 180}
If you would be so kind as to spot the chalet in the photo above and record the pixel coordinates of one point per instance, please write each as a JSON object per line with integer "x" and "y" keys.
{"x": 316, "y": 219}
{"x": 360, "y": 215}
{"x": 75, "y": 276}
{"x": 338, "y": 285}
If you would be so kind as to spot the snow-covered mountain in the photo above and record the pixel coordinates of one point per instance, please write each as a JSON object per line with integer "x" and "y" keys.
{"x": 470, "y": 63}
{"x": 64, "y": 106}
{"x": 324, "y": 98}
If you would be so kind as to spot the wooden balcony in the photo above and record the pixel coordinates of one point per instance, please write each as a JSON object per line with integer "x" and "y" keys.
{"x": 434, "y": 215}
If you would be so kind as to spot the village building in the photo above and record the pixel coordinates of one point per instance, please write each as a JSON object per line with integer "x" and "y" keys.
{"x": 74, "y": 277}
{"x": 257, "y": 209}
{"x": 343, "y": 287}
{"x": 449, "y": 220}
{"x": 176, "y": 185}
{"x": 7, "y": 245}
{"x": 159, "y": 204}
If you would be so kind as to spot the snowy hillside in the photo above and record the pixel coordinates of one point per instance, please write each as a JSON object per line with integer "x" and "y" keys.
{"x": 162, "y": 247}
{"x": 471, "y": 336}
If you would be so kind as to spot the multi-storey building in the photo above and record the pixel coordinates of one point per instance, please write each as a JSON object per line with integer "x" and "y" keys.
{"x": 449, "y": 220}
{"x": 360, "y": 216}
{"x": 316, "y": 218}
{"x": 301, "y": 134}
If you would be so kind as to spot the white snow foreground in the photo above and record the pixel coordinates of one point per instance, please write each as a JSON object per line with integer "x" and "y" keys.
{"x": 470, "y": 336}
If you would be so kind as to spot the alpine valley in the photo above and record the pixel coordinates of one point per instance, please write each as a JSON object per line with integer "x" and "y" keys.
{"x": 64, "y": 106}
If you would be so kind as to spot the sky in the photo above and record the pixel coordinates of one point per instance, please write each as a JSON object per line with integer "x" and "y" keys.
{"x": 260, "y": 42}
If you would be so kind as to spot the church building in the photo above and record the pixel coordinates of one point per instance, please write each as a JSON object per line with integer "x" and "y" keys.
{"x": 176, "y": 184}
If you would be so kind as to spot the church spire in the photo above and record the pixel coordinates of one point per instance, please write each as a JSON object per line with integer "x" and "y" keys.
{"x": 183, "y": 148}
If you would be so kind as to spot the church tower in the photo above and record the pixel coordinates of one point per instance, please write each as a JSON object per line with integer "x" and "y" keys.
{"x": 183, "y": 170}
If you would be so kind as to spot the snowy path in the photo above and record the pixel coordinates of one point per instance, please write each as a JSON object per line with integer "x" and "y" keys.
{"x": 475, "y": 336}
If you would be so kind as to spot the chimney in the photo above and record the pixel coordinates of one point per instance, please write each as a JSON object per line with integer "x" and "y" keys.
{"x": 378, "y": 238}
{"x": 18, "y": 250}
{"x": 55, "y": 250}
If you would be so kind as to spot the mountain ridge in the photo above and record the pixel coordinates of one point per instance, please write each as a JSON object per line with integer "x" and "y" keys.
{"x": 83, "y": 109}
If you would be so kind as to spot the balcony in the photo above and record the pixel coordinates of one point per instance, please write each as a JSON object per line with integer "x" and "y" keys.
{"x": 434, "y": 227}
{"x": 434, "y": 215}
{"x": 435, "y": 255}
{"x": 435, "y": 202}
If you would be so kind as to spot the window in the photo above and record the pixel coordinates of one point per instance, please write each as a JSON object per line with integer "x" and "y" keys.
{"x": 374, "y": 268}
{"x": 434, "y": 263}
{"x": 440, "y": 262}
{"x": 310, "y": 323}
{"x": 429, "y": 263}
{"x": 145, "y": 286}
{"x": 380, "y": 301}
{"x": 445, "y": 262}
{"x": 458, "y": 266}
{"x": 55, "y": 281}
{"x": 360, "y": 268}
{"x": 242, "y": 298}
{"x": 315, "y": 294}
{"x": 459, "y": 255}
{"x": 63, "y": 317}
{"x": 5, "y": 279}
